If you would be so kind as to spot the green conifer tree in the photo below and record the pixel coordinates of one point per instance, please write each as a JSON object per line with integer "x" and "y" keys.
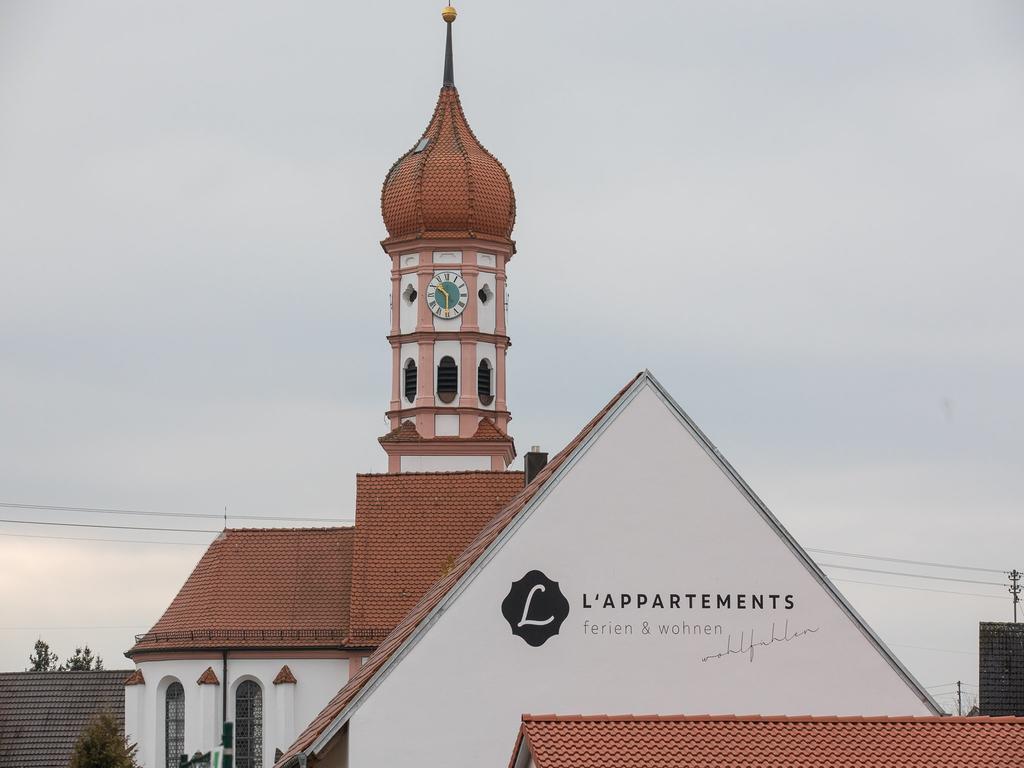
{"x": 42, "y": 660}
{"x": 101, "y": 745}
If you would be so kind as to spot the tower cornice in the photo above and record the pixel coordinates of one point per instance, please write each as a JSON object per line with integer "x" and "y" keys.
{"x": 447, "y": 241}
{"x": 499, "y": 340}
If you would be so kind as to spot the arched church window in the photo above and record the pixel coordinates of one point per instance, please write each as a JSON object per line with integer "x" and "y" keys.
{"x": 483, "y": 382}
{"x": 410, "y": 380}
{"x": 249, "y": 725}
{"x": 447, "y": 379}
{"x": 174, "y": 724}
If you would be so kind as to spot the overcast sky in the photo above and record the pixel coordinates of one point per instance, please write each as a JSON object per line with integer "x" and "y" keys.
{"x": 803, "y": 217}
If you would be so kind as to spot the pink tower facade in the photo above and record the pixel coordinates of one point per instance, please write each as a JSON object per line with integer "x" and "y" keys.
{"x": 449, "y": 208}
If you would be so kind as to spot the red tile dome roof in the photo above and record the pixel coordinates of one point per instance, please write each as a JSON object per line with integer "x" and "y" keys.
{"x": 448, "y": 185}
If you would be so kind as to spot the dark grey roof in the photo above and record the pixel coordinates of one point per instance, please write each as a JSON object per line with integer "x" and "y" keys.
{"x": 1001, "y": 668}
{"x": 42, "y": 713}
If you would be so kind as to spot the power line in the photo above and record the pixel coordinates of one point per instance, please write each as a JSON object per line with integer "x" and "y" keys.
{"x": 918, "y": 589}
{"x": 923, "y": 648}
{"x": 913, "y": 575}
{"x": 113, "y": 541}
{"x": 117, "y": 527}
{"x": 902, "y": 560}
{"x": 148, "y": 513}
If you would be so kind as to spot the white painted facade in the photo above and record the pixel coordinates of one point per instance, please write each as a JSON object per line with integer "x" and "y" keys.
{"x": 645, "y": 507}
{"x": 408, "y": 298}
{"x": 287, "y": 707}
{"x": 444, "y": 463}
{"x": 486, "y": 309}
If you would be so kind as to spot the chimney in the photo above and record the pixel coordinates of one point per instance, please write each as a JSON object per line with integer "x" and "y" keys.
{"x": 1001, "y": 668}
{"x": 534, "y": 462}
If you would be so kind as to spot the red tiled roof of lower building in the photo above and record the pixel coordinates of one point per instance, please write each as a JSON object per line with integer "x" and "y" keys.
{"x": 707, "y": 741}
{"x": 411, "y": 527}
{"x": 441, "y": 587}
{"x": 261, "y": 588}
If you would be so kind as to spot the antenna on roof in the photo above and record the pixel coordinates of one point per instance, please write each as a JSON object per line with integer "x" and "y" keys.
{"x": 448, "y": 14}
{"x": 225, "y": 517}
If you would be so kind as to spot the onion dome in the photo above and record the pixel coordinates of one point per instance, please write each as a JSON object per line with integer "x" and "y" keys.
{"x": 448, "y": 185}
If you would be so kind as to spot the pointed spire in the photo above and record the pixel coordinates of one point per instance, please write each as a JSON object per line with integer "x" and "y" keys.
{"x": 448, "y": 14}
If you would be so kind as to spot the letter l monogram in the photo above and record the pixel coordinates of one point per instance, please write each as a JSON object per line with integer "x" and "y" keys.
{"x": 526, "y": 610}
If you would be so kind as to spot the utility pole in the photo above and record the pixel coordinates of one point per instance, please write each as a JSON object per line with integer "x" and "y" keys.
{"x": 959, "y": 701}
{"x": 1015, "y": 590}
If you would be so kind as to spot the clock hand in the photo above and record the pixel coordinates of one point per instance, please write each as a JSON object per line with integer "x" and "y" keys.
{"x": 443, "y": 291}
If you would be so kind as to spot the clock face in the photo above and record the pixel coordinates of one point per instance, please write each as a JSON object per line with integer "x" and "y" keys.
{"x": 447, "y": 295}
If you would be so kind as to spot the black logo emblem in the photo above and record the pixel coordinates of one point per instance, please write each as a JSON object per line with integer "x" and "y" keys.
{"x": 535, "y": 608}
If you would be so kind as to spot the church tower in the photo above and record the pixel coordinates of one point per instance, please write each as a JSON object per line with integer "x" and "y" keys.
{"x": 449, "y": 210}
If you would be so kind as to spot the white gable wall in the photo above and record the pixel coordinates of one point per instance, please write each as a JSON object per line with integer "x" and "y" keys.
{"x": 645, "y": 510}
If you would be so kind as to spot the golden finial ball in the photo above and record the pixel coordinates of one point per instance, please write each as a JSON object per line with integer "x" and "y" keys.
{"x": 448, "y": 14}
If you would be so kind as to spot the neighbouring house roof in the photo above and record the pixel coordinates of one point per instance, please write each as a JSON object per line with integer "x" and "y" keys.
{"x": 1001, "y": 668}
{"x": 43, "y": 713}
{"x": 261, "y": 588}
{"x": 460, "y": 566}
{"x": 410, "y": 529}
{"x": 713, "y": 741}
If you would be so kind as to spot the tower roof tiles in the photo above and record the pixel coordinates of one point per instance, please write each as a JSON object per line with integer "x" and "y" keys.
{"x": 447, "y": 185}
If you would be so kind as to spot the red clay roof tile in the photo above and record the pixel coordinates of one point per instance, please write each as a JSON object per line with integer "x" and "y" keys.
{"x": 261, "y": 588}
{"x": 135, "y": 678}
{"x": 705, "y": 741}
{"x": 410, "y": 529}
{"x": 452, "y": 186}
{"x": 284, "y": 676}
{"x": 440, "y": 588}
{"x": 209, "y": 677}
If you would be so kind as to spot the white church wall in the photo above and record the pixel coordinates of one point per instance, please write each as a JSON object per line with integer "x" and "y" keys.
{"x": 485, "y": 312}
{"x": 134, "y": 712}
{"x": 408, "y": 309}
{"x": 445, "y": 463}
{"x": 646, "y": 511}
{"x": 284, "y": 714}
{"x": 446, "y": 424}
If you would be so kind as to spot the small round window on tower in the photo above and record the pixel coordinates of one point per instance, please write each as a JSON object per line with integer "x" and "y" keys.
{"x": 485, "y": 294}
{"x": 409, "y": 294}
